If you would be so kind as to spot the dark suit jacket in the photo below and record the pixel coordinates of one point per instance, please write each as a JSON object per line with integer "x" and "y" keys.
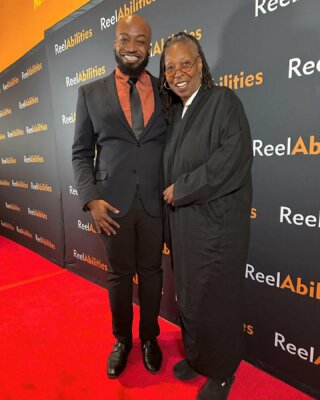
{"x": 108, "y": 160}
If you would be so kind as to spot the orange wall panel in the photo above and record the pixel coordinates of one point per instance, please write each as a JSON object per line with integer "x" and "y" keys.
{"x": 23, "y": 23}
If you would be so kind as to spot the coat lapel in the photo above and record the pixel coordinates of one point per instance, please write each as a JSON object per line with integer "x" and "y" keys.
{"x": 179, "y": 129}
{"x": 188, "y": 116}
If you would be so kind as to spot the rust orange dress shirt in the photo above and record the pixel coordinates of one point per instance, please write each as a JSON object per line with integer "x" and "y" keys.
{"x": 145, "y": 89}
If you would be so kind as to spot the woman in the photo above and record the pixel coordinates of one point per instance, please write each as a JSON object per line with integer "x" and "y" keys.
{"x": 207, "y": 173}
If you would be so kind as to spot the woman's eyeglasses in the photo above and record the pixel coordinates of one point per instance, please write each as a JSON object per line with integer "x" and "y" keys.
{"x": 186, "y": 66}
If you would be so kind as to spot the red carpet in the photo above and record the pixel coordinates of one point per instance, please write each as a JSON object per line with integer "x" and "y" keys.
{"x": 55, "y": 334}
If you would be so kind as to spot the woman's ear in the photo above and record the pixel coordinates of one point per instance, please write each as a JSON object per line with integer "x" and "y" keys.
{"x": 200, "y": 66}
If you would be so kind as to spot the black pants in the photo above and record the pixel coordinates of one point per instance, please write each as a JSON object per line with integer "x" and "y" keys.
{"x": 136, "y": 248}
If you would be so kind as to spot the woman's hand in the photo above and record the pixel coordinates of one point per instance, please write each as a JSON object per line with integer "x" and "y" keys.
{"x": 168, "y": 195}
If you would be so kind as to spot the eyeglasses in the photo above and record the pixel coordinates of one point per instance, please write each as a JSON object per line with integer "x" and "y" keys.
{"x": 186, "y": 66}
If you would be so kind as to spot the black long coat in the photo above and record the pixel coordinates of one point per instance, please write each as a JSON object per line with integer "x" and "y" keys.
{"x": 208, "y": 157}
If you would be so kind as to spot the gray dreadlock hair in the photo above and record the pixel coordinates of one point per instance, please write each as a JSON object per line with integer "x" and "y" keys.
{"x": 168, "y": 98}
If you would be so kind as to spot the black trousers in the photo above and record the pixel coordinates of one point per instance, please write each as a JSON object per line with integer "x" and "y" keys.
{"x": 136, "y": 248}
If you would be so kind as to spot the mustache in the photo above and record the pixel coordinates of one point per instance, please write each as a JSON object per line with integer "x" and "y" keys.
{"x": 128, "y": 69}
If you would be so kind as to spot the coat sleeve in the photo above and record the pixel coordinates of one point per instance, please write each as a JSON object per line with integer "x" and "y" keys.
{"x": 83, "y": 152}
{"x": 228, "y": 167}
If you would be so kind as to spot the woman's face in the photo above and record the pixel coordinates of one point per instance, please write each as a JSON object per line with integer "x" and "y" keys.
{"x": 183, "y": 67}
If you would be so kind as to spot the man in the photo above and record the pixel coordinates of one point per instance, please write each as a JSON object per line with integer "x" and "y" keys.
{"x": 119, "y": 119}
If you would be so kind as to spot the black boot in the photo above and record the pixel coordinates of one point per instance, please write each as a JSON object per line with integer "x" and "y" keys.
{"x": 216, "y": 389}
{"x": 183, "y": 371}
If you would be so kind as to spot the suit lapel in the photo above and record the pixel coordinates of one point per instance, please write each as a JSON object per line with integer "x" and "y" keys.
{"x": 157, "y": 106}
{"x": 113, "y": 101}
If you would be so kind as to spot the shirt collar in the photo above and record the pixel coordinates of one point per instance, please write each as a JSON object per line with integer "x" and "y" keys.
{"x": 190, "y": 100}
{"x": 124, "y": 78}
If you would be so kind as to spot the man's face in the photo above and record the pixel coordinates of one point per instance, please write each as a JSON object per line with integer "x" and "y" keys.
{"x": 132, "y": 46}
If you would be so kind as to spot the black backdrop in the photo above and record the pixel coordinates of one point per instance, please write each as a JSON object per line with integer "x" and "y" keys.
{"x": 268, "y": 52}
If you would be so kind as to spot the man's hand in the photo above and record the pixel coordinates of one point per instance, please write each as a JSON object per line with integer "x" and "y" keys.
{"x": 168, "y": 195}
{"x": 99, "y": 211}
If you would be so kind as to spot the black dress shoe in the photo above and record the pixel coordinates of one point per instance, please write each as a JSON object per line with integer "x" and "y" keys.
{"x": 216, "y": 389}
{"x": 117, "y": 359}
{"x": 152, "y": 356}
{"x": 183, "y": 371}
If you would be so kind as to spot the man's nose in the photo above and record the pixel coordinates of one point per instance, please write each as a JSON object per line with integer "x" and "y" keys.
{"x": 131, "y": 47}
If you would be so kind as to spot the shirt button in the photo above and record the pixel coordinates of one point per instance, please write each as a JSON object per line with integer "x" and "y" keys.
{"x": 133, "y": 171}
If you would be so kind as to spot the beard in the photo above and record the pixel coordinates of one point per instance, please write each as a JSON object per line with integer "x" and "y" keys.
{"x": 131, "y": 70}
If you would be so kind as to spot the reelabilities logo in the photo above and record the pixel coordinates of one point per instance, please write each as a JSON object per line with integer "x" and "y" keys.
{"x": 12, "y": 82}
{"x": 241, "y": 80}
{"x": 8, "y": 160}
{"x": 297, "y": 68}
{"x": 287, "y": 217}
{"x": 37, "y": 4}
{"x": 37, "y": 213}
{"x": 267, "y": 6}
{"x": 15, "y": 133}
{"x": 157, "y": 46}
{"x": 7, "y": 225}
{"x": 5, "y": 112}
{"x": 43, "y": 187}
{"x": 19, "y": 184}
{"x": 73, "y": 191}
{"x": 24, "y": 232}
{"x": 124, "y": 11}
{"x": 73, "y": 40}
{"x": 86, "y": 226}
{"x": 294, "y": 285}
{"x": 32, "y": 159}
{"x": 30, "y": 101}
{"x": 308, "y": 355}
{"x": 69, "y": 119}
{"x": 86, "y": 75}
{"x": 44, "y": 241}
{"x": 307, "y": 146}
{"x": 166, "y": 250}
{"x": 31, "y": 71}
{"x": 248, "y": 329}
{"x": 39, "y": 127}
{"x": 13, "y": 207}
{"x": 90, "y": 260}
{"x": 4, "y": 182}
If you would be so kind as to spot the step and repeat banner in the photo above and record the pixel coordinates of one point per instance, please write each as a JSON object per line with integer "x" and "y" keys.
{"x": 77, "y": 53}
{"x": 267, "y": 51}
{"x": 30, "y": 205}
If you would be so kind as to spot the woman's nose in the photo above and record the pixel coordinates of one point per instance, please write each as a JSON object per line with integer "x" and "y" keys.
{"x": 178, "y": 73}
